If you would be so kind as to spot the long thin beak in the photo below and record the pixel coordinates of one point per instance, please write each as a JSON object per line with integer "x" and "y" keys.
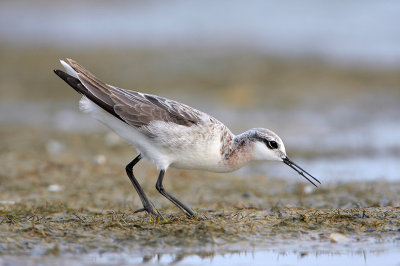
{"x": 300, "y": 170}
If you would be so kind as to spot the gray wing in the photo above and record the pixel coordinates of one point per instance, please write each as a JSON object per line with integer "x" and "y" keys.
{"x": 136, "y": 109}
{"x": 139, "y": 109}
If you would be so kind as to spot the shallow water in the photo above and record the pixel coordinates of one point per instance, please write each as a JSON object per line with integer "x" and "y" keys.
{"x": 359, "y": 257}
{"x": 253, "y": 257}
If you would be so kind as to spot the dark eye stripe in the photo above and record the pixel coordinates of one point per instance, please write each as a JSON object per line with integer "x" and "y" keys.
{"x": 272, "y": 144}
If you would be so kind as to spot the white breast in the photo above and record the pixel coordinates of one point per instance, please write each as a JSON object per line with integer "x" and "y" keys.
{"x": 195, "y": 147}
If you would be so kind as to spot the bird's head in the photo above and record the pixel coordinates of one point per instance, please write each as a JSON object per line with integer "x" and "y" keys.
{"x": 269, "y": 146}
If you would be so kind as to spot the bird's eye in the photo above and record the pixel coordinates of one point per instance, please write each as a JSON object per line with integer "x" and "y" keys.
{"x": 272, "y": 144}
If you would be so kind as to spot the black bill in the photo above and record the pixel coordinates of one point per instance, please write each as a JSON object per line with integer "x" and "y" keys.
{"x": 300, "y": 170}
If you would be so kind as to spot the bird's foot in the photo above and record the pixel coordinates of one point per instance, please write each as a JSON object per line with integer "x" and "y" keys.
{"x": 154, "y": 215}
{"x": 193, "y": 216}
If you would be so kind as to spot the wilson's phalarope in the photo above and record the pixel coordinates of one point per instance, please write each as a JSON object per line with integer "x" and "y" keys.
{"x": 170, "y": 133}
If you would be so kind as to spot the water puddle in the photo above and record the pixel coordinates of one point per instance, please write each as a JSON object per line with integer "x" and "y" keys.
{"x": 262, "y": 258}
{"x": 257, "y": 257}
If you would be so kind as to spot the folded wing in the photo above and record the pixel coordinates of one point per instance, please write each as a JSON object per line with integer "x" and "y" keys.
{"x": 134, "y": 108}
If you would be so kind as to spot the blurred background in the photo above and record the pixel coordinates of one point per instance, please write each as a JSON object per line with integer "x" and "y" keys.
{"x": 324, "y": 75}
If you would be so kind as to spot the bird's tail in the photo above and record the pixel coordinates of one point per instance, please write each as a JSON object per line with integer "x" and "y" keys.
{"x": 88, "y": 85}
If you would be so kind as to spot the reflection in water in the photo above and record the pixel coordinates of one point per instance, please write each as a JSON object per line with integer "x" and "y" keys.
{"x": 327, "y": 257}
{"x": 287, "y": 258}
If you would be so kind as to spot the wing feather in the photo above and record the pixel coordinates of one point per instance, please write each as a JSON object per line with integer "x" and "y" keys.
{"x": 136, "y": 109}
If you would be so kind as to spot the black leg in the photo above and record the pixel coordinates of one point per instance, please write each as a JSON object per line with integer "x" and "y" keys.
{"x": 180, "y": 205}
{"x": 145, "y": 201}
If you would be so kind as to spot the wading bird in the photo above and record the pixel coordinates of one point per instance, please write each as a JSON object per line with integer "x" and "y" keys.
{"x": 171, "y": 134}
